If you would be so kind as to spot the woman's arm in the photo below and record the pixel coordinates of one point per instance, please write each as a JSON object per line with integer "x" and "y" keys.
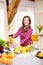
{"x": 28, "y": 35}
{"x": 17, "y": 33}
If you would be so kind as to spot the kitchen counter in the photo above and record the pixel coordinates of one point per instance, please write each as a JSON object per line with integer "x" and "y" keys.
{"x": 27, "y": 59}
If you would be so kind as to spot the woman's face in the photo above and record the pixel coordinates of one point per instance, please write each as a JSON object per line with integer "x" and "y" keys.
{"x": 26, "y": 21}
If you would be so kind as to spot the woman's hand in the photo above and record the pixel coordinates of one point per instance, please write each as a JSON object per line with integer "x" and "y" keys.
{"x": 16, "y": 44}
{"x": 11, "y": 35}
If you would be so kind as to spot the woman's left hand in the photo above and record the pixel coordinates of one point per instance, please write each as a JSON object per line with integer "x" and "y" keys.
{"x": 16, "y": 44}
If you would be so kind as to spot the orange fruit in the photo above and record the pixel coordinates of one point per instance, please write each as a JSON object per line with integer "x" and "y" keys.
{"x": 0, "y": 60}
{"x": 10, "y": 55}
{"x": 9, "y": 61}
{"x": 4, "y": 60}
{"x": 4, "y": 55}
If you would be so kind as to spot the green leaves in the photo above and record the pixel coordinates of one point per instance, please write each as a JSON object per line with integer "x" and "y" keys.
{"x": 2, "y": 42}
{"x": 39, "y": 27}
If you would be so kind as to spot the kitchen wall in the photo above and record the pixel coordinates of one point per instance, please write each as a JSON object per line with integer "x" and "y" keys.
{"x": 38, "y": 13}
{"x": 38, "y": 19}
{"x": 3, "y": 20}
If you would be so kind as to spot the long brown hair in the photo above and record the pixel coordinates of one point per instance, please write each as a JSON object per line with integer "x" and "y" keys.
{"x": 24, "y": 28}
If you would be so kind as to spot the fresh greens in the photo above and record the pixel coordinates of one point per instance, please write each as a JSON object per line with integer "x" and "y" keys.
{"x": 2, "y": 43}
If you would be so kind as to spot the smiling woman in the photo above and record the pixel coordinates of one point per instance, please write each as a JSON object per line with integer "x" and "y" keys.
{"x": 25, "y": 32}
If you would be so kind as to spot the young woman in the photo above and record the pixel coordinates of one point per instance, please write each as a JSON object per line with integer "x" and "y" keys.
{"x": 25, "y": 32}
